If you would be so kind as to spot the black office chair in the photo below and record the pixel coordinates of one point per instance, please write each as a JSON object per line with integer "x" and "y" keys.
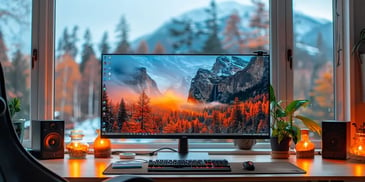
{"x": 16, "y": 164}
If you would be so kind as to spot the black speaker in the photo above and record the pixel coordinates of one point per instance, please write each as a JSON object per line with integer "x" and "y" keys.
{"x": 335, "y": 139}
{"x": 48, "y": 139}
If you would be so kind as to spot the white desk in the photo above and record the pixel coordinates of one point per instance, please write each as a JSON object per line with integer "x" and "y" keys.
{"x": 91, "y": 169}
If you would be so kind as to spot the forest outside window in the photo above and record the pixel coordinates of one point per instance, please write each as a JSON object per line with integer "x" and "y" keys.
{"x": 203, "y": 27}
{"x": 219, "y": 26}
{"x": 15, "y": 48}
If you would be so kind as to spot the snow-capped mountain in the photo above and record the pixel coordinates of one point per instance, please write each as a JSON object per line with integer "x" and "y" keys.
{"x": 306, "y": 28}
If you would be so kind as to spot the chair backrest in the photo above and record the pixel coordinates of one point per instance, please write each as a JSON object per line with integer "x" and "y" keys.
{"x": 16, "y": 164}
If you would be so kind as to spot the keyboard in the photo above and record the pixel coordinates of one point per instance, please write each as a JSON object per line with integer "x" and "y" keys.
{"x": 166, "y": 165}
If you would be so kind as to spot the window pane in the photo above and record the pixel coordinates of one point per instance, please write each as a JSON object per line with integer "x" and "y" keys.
{"x": 313, "y": 57}
{"x": 114, "y": 26}
{"x": 15, "y": 45}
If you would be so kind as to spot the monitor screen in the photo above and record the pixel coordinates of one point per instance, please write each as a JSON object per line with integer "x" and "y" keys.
{"x": 189, "y": 95}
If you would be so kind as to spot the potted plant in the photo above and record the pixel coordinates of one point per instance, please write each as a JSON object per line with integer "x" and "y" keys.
{"x": 15, "y": 107}
{"x": 283, "y": 128}
{"x": 360, "y": 54}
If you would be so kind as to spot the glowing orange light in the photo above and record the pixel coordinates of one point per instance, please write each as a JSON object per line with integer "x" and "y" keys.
{"x": 102, "y": 147}
{"x": 357, "y": 151}
{"x": 304, "y": 148}
{"x": 359, "y": 147}
{"x": 75, "y": 168}
{"x": 305, "y": 144}
{"x": 359, "y": 170}
{"x": 76, "y": 148}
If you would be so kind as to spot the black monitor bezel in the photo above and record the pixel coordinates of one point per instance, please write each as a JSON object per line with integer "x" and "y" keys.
{"x": 182, "y": 135}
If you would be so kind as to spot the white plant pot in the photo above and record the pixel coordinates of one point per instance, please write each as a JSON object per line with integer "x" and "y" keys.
{"x": 362, "y": 66}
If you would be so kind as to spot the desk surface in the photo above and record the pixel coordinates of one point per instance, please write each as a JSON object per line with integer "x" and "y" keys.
{"x": 91, "y": 169}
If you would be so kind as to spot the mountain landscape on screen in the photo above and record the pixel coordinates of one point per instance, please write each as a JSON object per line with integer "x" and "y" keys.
{"x": 217, "y": 94}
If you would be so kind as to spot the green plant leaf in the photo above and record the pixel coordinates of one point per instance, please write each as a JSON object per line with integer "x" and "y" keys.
{"x": 14, "y": 106}
{"x": 295, "y": 105}
{"x": 280, "y": 113}
{"x": 293, "y": 133}
{"x": 272, "y": 94}
{"x": 310, "y": 124}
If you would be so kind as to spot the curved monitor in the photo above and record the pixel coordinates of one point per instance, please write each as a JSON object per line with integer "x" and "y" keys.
{"x": 185, "y": 96}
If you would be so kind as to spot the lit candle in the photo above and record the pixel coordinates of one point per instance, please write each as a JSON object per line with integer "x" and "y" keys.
{"x": 357, "y": 151}
{"x": 305, "y": 145}
{"x": 304, "y": 148}
{"x": 76, "y": 148}
{"x": 102, "y": 147}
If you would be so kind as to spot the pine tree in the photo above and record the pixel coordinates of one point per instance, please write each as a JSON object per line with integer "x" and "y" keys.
{"x": 183, "y": 34}
{"x": 74, "y": 40}
{"x": 143, "y": 111}
{"x": 67, "y": 78}
{"x": 67, "y": 43}
{"x": 233, "y": 37}
{"x": 236, "y": 116}
{"x": 89, "y": 87}
{"x": 159, "y": 49}
{"x": 122, "y": 33}
{"x": 321, "y": 95}
{"x": 259, "y": 22}
{"x": 212, "y": 44}
{"x": 318, "y": 62}
{"x": 6, "y": 64}
{"x": 63, "y": 43}
{"x": 3, "y": 49}
{"x": 104, "y": 47}
{"x": 19, "y": 73}
{"x": 122, "y": 114}
{"x": 18, "y": 76}
{"x": 87, "y": 50}
{"x": 215, "y": 125}
{"x": 142, "y": 47}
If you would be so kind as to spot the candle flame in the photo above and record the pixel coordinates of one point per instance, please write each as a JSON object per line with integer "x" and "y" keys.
{"x": 359, "y": 147}
{"x": 305, "y": 144}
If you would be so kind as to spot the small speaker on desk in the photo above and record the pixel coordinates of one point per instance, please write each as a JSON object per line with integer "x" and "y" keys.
{"x": 48, "y": 139}
{"x": 335, "y": 139}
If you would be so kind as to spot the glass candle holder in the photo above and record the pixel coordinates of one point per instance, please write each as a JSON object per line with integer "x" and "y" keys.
{"x": 102, "y": 147}
{"x": 357, "y": 150}
{"x": 77, "y": 148}
{"x": 304, "y": 148}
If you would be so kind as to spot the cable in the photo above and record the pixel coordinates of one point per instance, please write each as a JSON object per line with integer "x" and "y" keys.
{"x": 150, "y": 153}
{"x": 163, "y": 148}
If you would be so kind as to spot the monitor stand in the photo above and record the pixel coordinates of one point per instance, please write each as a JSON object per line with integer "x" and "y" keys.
{"x": 183, "y": 152}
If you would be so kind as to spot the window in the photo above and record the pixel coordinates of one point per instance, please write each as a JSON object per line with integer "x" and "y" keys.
{"x": 15, "y": 46}
{"x": 313, "y": 59}
{"x": 107, "y": 26}
{"x": 202, "y": 27}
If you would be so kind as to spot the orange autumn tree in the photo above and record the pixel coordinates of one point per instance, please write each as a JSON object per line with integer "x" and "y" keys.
{"x": 67, "y": 78}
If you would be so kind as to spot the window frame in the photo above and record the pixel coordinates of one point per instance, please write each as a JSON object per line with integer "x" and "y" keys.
{"x": 281, "y": 35}
{"x": 42, "y": 71}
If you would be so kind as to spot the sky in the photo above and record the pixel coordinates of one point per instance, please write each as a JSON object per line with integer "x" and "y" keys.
{"x": 144, "y": 16}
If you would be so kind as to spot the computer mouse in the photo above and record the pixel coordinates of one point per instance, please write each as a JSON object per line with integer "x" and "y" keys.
{"x": 248, "y": 165}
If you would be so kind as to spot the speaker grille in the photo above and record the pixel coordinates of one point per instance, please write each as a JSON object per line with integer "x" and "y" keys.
{"x": 53, "y": 141}
{"x": 48, "y": 138}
